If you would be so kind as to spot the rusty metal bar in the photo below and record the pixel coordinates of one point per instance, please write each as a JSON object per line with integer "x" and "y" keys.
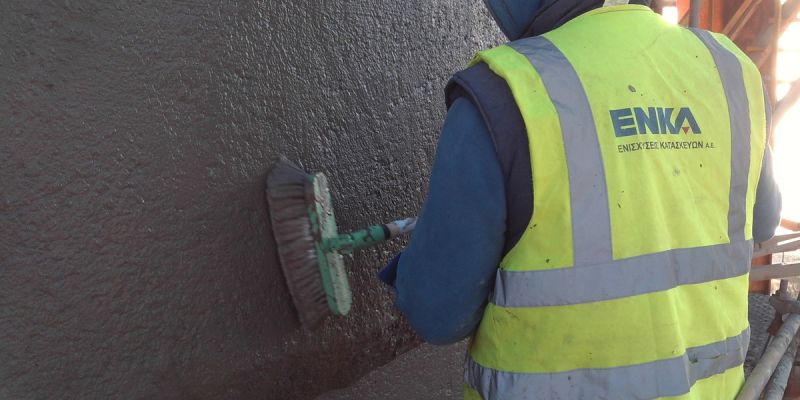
{"x": 734, "y": 34}
{"x": 737, "y": 16}
{"x": 766, "y": 60}
{"x": 770, "y": 359}
{"x": 790, "y": 225}
{"x": 717, "y": 13}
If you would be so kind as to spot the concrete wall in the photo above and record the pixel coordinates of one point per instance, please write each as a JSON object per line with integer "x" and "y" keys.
{"x": 136, "y": 259}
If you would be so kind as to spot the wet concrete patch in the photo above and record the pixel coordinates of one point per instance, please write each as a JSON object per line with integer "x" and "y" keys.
{"x": 425, "y": 373}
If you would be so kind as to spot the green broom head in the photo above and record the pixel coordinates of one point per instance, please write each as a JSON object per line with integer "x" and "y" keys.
{"x": 302, "y": 220}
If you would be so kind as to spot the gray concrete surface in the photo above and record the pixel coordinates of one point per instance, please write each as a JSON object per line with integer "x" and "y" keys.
{"x": 136, "y": 257}
{"x": 425, "y": 373}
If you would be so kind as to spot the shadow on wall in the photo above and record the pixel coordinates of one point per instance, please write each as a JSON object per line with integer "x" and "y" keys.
{"x": 136, "y": 260}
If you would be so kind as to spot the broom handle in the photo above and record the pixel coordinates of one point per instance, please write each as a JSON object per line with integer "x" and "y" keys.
{"x": 349, "y": 242}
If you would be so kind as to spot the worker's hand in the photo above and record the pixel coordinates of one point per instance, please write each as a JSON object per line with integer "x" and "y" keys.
{"x": 401, "y": 227}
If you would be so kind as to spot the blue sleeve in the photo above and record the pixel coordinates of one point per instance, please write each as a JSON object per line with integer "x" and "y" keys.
{"x": 767, "y": 209}
{"x": 442, "y": 279}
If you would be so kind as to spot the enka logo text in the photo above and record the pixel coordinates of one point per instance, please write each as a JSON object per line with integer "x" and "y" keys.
{"x": 656, "y": 120}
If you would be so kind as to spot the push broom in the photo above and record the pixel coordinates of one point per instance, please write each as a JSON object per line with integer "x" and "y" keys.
{"x": 310, "y": 248}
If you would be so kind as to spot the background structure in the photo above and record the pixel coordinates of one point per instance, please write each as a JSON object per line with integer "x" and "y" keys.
{"x": 136, "y": 260}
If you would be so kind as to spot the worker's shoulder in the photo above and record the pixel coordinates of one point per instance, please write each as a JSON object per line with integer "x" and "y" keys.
{"x": 729, "y": 45}
{"x": 481, "y": 85}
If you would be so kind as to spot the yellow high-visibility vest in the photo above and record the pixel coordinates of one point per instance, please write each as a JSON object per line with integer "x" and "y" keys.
{"x": 630, "y": 281}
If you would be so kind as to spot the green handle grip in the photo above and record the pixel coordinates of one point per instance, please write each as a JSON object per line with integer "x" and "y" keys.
{"x": 375, "y": 234}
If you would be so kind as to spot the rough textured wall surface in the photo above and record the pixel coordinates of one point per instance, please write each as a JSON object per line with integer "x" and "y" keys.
{"x": 136, "y": 259}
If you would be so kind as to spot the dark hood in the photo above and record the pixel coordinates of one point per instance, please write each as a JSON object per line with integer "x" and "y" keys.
{"x": 523, "y": 18}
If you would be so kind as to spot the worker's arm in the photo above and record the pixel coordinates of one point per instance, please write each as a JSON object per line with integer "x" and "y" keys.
{"x": 444, "y": 276}
{"x": 767, "y": 210}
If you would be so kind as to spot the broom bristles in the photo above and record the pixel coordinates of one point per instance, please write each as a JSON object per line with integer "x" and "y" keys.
{"x": 288, "y": 210}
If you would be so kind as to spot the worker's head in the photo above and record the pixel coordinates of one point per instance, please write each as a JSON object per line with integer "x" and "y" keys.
{"x": 520, "y": 18}
{"x": 514, "y": 16}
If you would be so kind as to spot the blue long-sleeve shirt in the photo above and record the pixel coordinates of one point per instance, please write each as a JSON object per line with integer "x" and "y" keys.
{"x": 443, "y": 278}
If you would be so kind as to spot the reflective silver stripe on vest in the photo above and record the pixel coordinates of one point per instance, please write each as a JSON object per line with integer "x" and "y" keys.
{"x": 730, "y": 72}
{"x": 591, "y": 226}
{"x": 670, "y": 377}
{"x": 622, "y": 278}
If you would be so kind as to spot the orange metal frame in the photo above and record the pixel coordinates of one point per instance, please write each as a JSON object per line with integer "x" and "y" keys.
{"x": 754, "y": 25}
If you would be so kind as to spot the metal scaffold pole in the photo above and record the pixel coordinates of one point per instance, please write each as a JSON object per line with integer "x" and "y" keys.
{"x": 776, "y": 350}
{"x": 694, "y": 13}
{"x": 777, "y": 384}
{"x": 766, "y": 366}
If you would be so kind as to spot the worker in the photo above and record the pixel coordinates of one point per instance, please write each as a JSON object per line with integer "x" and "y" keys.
{"x": 591, "y": 211}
